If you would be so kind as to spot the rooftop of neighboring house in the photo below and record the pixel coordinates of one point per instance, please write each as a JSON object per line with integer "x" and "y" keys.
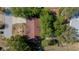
{"x": 74, "y": 21}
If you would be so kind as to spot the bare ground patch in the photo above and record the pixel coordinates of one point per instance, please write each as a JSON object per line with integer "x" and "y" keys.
{"x": 68, "y": 47}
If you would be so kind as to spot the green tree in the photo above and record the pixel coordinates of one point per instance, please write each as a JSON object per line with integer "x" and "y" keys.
{"x": 26, "y": 12}
{"x": 46, "y": 23}
{"x": 69, "y": 36}
{"x": 59, "y": 24}
{"x": 17, "y": 43}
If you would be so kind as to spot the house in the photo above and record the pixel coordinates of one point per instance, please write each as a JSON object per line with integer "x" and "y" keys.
{"x": 33, "y": 28}
{"x": 19, "y": 26}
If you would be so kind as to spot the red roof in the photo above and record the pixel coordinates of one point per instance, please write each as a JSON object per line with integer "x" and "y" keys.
{"x": 33, "y": 28}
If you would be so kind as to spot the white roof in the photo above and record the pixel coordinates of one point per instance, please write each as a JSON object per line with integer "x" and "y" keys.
{"x": 16, "y": 20}
{"x": 74, "y": 22}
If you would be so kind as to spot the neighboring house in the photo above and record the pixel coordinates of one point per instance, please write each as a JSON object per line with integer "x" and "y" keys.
{"x": 74, "y": 22}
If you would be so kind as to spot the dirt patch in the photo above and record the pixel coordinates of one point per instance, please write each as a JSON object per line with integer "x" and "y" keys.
{"x": 3, "y": 44}
{"x": 69, "y": 47}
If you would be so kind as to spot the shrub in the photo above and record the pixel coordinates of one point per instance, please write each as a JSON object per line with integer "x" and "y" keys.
{"x": 17, "y": 43}
{"x": 45, "y": 43}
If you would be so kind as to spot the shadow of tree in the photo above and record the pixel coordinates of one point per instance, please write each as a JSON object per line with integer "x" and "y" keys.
{"x": 35, "y": 44}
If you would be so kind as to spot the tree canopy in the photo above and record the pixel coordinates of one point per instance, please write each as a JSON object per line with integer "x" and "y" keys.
{"x": 46, "y": 23}
{"x": 18, "y": 43}
{"x": 27, "y": 12}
